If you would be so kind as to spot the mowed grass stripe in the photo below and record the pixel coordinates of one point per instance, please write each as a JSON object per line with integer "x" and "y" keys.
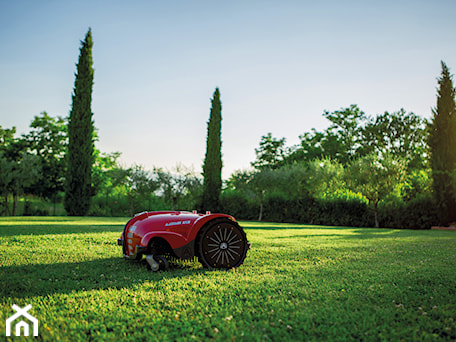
{"x": 298, "y": 282}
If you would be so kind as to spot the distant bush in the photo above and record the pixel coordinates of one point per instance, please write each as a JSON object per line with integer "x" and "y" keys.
{"x": 343, "y": 212}
{"x": 32, "y": 209}
{"x": 278, "y": 209}
{"x": 418, "y": 213}
{"x": 237, "y": 205}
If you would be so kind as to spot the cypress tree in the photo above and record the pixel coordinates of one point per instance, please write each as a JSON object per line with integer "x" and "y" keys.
{"x": 442, "y": 144}
{"x": 79, "y": 158}
{"x": 212, "y": 167}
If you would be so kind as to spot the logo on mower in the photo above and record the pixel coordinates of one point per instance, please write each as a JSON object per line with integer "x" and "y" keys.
{"x": 176, "y": 223}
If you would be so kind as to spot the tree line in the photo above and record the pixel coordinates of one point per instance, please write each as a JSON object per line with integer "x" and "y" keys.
{"x": 354, "y": 156}
{"x": 398, "y": 160}
{"x": 362, "y": 170}
{"x": 34, "y": 165}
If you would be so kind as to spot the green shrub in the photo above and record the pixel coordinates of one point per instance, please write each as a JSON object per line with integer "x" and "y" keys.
{"x": 237, "y": 205}
{"x": 343, "y": 212}
{"x": 417, "y": 213}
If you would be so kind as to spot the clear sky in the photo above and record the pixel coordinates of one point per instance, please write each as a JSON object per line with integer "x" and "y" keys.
{"x": 278, "y": 64}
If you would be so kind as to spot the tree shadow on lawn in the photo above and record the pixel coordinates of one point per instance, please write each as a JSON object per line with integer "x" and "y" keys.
{"x": 64, "y": 278}
{"x": 291, "y": 226}
{"x": 360, "y": 234}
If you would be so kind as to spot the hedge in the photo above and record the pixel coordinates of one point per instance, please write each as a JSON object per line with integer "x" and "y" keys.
{"x": 418, "y": 213}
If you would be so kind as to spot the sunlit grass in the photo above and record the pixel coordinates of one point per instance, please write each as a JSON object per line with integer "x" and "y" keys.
{"x": 298, "y": 283}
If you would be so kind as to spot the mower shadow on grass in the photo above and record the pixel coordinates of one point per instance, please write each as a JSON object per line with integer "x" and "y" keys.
{"x": 100, "y": 274}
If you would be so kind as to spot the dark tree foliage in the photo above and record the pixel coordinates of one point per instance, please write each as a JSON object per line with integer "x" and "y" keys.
{"x": 11, "y": 148}
{"x": 79, "y": 158}
{"x": 212, "y": 166}
{"x": 6, "y": 138}
{"x": 442, "y": 144}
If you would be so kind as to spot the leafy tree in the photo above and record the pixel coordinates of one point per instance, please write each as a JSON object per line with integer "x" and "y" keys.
{"x": 141, "y": 185}
{"x": 270, "y": 154}
{"x": 254, "y": 185}
{"x": 417, "y": 183}
{"x": 16, "y": 176}
{"x": 344, "y": 133}
{"x": 48, "y": 140}
{"x": 238, "y": 181}
{"x": 312, "y": 146}
{"x": 212, "y": 166}
{"x": 353, "y": 134}
{"x": 48, "y": 137}
{"x": 177, "y": 185}
{"x": 399, "y": 133}
{"x": 19, "y": 169}
{"x": 6, "y": 178}
{"x": 12, "y": 148}
{"x": 107, "y": 174}
{"x": 310, "y": 178}
{"x": 261, "y": 183}
{"x": 442, "y": 142}
{"x": 6, "y": 137}
{"x": 25, "y": 173}
{"x": 340, "y": 141}
{"x": 78, "y": 190}
{"x": 375, "y": 177}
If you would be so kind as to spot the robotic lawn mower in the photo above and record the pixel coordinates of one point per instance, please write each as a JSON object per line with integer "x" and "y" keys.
{"x": 217, "y": 240}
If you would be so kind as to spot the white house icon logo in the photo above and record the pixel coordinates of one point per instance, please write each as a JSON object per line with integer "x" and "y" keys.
{"x": 22, "y": 313}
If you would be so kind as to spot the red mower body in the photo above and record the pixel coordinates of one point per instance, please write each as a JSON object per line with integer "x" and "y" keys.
{"x": 216, "y": 239}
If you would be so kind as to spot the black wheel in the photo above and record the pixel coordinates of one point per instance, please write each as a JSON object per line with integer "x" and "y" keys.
{"x": 222, "y": 244}
{"x": 162, "y": 262}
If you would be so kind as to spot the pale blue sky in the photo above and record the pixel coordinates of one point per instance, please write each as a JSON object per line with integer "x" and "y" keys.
{"x": 278, "y": 64}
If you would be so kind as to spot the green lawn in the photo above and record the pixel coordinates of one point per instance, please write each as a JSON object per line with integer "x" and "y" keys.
{"x": 298, "y": 283}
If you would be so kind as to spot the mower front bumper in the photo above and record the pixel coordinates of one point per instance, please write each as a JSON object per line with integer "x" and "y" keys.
{"x": 139, "y": 250}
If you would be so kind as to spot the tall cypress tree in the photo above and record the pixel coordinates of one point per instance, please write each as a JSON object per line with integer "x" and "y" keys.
{"x": 78, "y": 189}
{"x": 212, "y": 167}
{"x": 442, "y": 143}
